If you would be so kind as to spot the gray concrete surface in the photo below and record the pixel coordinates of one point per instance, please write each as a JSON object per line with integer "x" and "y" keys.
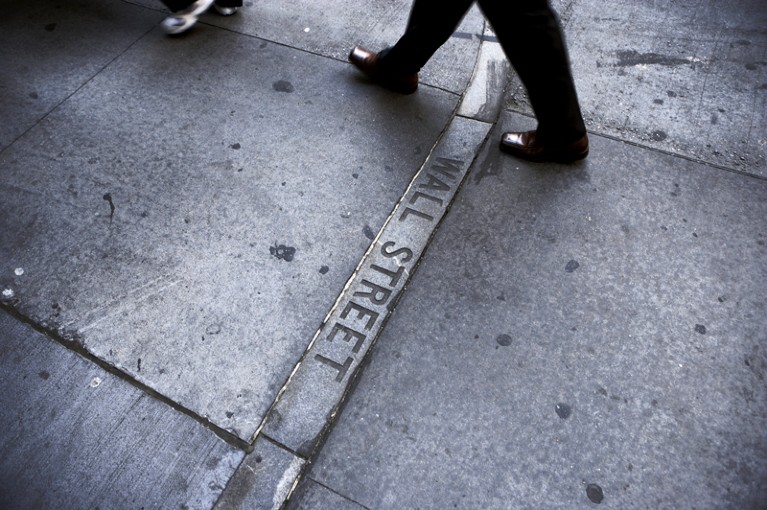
{"x": 193, "y": 217}
{"x": 242, "y": 205}
{"x": 572, "y": 327}
{"x": 76, "y": 436}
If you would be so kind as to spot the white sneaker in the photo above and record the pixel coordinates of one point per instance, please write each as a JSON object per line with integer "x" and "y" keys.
{"x": 224, "y": 11}
{"x": 183, "y": 20}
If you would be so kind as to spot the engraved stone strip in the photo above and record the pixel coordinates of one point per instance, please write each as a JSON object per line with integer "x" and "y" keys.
{"x": 318, "y": 385}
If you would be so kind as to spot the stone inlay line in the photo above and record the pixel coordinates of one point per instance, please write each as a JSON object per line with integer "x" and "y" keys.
{"x": 317, "y": 386}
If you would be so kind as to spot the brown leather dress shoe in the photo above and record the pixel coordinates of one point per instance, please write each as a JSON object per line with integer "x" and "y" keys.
{"x": 525, "y": 145}
{"x": 368, "y": 62}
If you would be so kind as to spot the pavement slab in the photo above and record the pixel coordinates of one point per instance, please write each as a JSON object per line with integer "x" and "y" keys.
{"x": 62, "y": 38}
{"x": 77, "y": 436}
{"x": 196, "y": 236}
{"x": 591, "y": 334}
{"x": 685, "y": 77}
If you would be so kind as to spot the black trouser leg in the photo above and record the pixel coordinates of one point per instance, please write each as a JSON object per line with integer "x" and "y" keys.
{"x": 532, "y": 39}
{"x": 431, "y": 24}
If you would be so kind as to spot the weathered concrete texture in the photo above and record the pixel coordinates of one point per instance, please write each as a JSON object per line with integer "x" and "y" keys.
{"x": 263, "y": 481}
{"x": 576, "y": 334}
{"x": 244, "y": 196}
{"x": 328, "y": 368}
{"x": 332, "y": 29}
{"x": 484, "y": 98}
{"x": 63, "y": 39}
{"x": 75, "y": 436}
{"x": 688, "y": 77}
{"x": 311, "y": 495}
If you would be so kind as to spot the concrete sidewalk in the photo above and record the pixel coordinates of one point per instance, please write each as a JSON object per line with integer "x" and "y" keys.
{"x": 202, "y": 238}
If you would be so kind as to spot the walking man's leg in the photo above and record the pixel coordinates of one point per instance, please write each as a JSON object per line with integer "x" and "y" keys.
{"x": 431, "y": 24}
{"x": 532, "y": 39}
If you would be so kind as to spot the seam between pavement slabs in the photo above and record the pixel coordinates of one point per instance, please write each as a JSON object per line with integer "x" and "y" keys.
{"x": 338, "y": 493}
{"x": 73, "y": 345}
{"x": 658, "y": 150}
{"x": 69, "y": 96}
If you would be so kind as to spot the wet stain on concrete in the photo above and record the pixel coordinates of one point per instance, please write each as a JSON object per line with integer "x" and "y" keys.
{"x": 658, "y": 101}
{"x": 324, "y": 270}
{"x": 235, "y": 146}
{"x": 503, "y": 340}
{"x": 283, "y": 86}
{"x": 44, "y": 375}
{"x": 751, "y": 66}
{"x": 670, "y": 93}
{"x": 563, "y": 410}
{"x": 50, "y": 27}
{"x": 572, "y": 266}
{"x": 33, "y": 95}
{"x": 594, "y": 493}
{"x": 700, "y": 328}
{"x": 628, "y": 58}
{"x": 282, "y": 252}
{"x": 229, "y": 414}
{"x": 490, "y": 166}
{"x": 676, "y": 191}
{"x": 658, "y": 135}
{"x": 369, "y": 232}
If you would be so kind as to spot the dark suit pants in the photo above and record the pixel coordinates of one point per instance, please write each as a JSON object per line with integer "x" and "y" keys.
{"x": 530, "y": 35}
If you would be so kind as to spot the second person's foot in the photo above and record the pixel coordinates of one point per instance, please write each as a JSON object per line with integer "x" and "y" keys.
{"x": 181, "y": 21}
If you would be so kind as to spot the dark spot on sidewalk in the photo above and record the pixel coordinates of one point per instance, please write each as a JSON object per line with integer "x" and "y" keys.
{"x": 108, "y": 198}
{"x": 563, "y": 410}
{"x": 594, "y": 493}
{"x": 670, "y": 93}
{"x": 658, "y": 135}
{"x": 751, "y": 66}
{"x": 138, "y": 365}
{"x": 33, "y": 95}
{"x": 572, "y": 266}
{"x": 282, "y": 252}
{"x": 283, "y": 86}
{"x": 503, "y": 340}
{"x": 44, "y": 375}
{"x": 657, "y": 101}
{"x": 229, "y": 414}
{"x": 675, "y": 193}
{"x": 50, "y": 27}
{"x": 213, "y": 329}
{"x": 628, "y": 58}
{"x": 235, "y": 146}
{"x": 369, "y": 232}
{"x": 700, "y": 328}
{"x": 714, "y": 119}
{"x": 324, "y": 270}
